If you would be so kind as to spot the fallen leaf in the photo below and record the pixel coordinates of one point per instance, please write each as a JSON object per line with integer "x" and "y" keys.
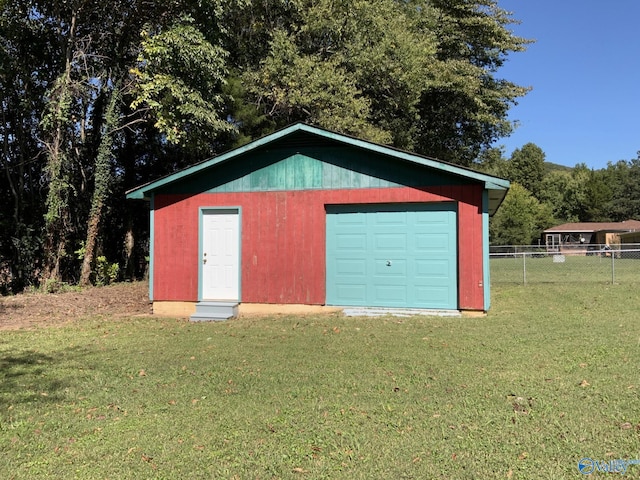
{"x": 523, "y": 456}
{"x": 146, "y": 458}
{"x": 584, "y": 383}
{"x": 142, "y": 373}
{"x": 626, "y": 426}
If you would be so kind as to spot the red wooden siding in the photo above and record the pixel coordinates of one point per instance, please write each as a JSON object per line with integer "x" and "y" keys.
{"x": 283, "y": 240}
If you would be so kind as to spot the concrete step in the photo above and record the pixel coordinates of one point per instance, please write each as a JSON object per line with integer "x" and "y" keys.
{"x": 214, "y": 311}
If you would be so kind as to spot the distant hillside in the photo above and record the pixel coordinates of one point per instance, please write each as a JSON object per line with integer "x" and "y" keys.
{"x": 550, "y": 167}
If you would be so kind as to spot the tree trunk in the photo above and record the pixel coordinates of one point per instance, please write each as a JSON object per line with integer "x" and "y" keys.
{"x": 57, "y": 219}
{"x": 101, "y": 189}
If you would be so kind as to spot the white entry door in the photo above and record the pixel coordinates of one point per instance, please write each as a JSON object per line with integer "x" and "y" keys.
{"x": 220, "y": 260}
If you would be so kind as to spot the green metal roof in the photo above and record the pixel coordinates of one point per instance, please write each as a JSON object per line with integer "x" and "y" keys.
{"x": 301, "y": 134}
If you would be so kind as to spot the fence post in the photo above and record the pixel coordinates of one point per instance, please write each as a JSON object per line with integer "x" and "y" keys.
{"x": 613, "y": 267}
{"x": 524, "y": 268}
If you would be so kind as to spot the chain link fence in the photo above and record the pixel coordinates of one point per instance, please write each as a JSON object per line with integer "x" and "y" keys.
{"x": 525, "y": 264}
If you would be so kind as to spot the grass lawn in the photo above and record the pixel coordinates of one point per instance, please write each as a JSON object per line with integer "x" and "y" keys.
{"x": 573, "y": 269}
{"x": 550, "y": 376}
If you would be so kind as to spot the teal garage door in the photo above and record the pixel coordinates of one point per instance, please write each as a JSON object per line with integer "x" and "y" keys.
{"x": 402, "y": 256}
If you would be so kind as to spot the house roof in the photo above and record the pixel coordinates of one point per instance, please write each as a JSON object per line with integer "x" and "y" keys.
{"x": 497, "y": 187}
{"x": 590, "y": 227}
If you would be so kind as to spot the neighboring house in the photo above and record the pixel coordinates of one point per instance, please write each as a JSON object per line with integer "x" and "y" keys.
{"x": 310, "y": 217}
{"x": 630, "y": 237}
{"x": 579, "y": 237}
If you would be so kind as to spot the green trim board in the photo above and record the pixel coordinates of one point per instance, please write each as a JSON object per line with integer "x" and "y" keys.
{"x": 486, "y": 274}
{"x": 151, "y": 244}
{"x": 302, "y": 136}
{"x": 392, "y": 255}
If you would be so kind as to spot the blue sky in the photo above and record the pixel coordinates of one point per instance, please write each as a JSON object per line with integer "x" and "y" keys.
{"x": 585, "y": 72}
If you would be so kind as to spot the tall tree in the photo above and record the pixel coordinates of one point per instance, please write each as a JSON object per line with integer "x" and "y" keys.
{"x": 420, "y": 75}
{"x": 102, "y": 183}
{"x": 464, "y": 108}
{"x": 59, "y": 140}
{"x": 526, "y": 167}
{"x": 624, "y": 180}
{"x": 520, "y": 219}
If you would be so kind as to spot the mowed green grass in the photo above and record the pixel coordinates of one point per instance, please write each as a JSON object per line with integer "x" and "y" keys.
{"x": 574, "y": 269}
{"x": 550, "y": 376}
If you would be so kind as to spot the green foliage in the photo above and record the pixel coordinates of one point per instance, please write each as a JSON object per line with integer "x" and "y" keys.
{"x": 623, "y": 180}
{"x": 492, "y": 161}
{"x": 520, "y": 219}
{"x": 417, "y": 74}
{"x": 299, "y": 87}
{"x": 526, "y": 167}
{"x": 56, "y": 122}
{"x": 179, "y": 77}
{"x": 465, "y": 107}
{"x": 106, "y": 272}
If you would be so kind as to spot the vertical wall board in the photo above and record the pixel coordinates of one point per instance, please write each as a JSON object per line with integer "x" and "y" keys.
{"x": 175, "y": 275}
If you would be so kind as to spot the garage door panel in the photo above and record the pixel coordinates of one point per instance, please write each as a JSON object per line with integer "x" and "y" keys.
{"x": 429, "y": 218}
{"x": 392, "y": 255}
{"x": 432, "y": 269}
{"x": 354, "y": 218}
{"x": 351, "y": 241}
{"x": 389, "y": 218}
{"x": 437, "y": 297}
{"x": 391, "y": 295}
{"x": 433, "y": 242}
{"x": 351, "y": 266}
{"x": 390, "y": 242}
{"x": 390, "y": 268}
{"x": 350, "y": 294}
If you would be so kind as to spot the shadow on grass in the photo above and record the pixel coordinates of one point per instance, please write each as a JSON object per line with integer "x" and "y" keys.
{"x": 32, "y": 377}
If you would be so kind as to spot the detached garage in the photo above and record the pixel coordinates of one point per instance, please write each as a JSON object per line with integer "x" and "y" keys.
{"x": 310, "y": 217}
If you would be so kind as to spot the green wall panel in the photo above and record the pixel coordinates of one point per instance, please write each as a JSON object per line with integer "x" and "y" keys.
{"x": 306, "y": 168}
